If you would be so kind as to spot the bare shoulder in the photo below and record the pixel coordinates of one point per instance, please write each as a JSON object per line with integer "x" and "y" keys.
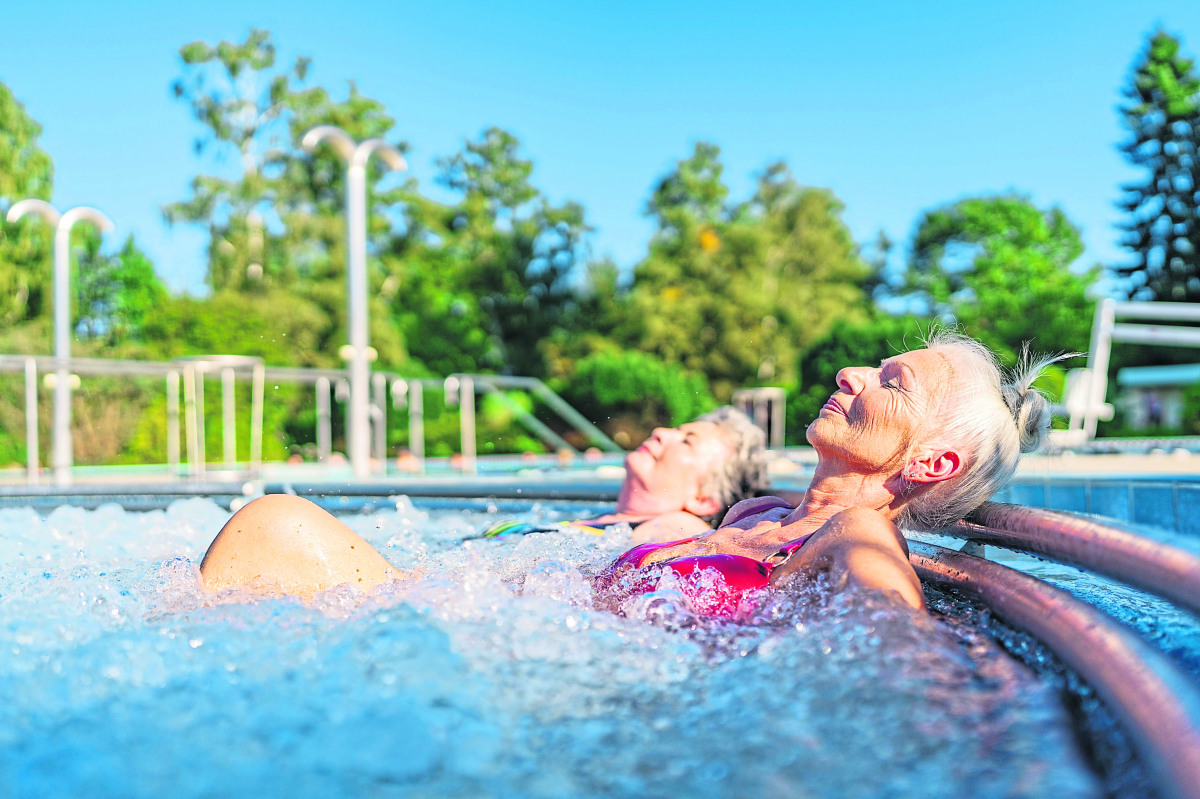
{"x": 752, "y": 509}
{"x": 669, "y": 527}
{"x": 860, "y": 525}
{"x": 859, "y": 547}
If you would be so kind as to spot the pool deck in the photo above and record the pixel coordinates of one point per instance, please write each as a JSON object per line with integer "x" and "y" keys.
{"x": 1178, "y": 463}
{"x": 1160, "y": 488}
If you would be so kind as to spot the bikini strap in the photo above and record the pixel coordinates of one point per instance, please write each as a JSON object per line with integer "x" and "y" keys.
{"x": 787, "y": 550}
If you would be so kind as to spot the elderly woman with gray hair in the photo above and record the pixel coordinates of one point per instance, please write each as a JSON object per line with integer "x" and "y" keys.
{"x": 682, "y": 480}
{"x": 919, "y": 440}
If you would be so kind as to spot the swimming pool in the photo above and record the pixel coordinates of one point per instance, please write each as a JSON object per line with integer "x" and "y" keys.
{"x": 496, "y": 677}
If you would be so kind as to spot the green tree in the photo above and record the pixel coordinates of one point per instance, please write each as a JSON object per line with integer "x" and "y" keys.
{"x": 601, "y": 309}
{"x": 25, "y": 171}
{"x": 94, "y": 286}
{"x": 1000, "y": 267}
{"x": 275, "y": 326}
{"x": 631, "y": 393}
{"x": 491, "y": 272}
{"x": 116, "y": 293}
{"x": 737, "y": 291}
{"x": 277, "y": 228}
{"x": 236, "y": 92}
{"x": 1162, "y": 114}
{"x": 310, "y": 200}
{"x": 139, "y": 292}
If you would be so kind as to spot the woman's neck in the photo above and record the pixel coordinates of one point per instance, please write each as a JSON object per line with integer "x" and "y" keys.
{"x": 637, "y": 502}
{"x": 837, "y": 488}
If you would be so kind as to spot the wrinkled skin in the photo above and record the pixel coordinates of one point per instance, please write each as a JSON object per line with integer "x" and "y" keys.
{"x": 881, "y": 422}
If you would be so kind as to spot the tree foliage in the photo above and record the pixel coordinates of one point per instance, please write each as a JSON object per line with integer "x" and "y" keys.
{"x": 1000, "y": 267}
{"x": 493, "y": 270}
{"x": 116, "y": 293}
{"x": 275, "y": 325}
{"x": 240, "y": 98}
{"x": 277, "y": 228}
{"x": 25, "y": 171}
{"x": 735, "y": 292}
{"x": 631, "y": 393}
{"x": 1162, "y": 114}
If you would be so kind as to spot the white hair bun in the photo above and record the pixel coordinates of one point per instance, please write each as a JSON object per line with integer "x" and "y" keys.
{"x": 1029, "y": 407}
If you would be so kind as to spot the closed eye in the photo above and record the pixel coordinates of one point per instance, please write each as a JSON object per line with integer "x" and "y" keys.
{"x": 894, "y": 382}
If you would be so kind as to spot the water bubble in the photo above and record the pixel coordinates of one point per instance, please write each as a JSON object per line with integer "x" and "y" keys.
{"x": 493, "y": 674}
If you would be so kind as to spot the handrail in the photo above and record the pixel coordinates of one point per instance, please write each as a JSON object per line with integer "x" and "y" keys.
{"x": 1157, "y": 704}
{"x": 191, "y": 369}
{"x": 556, "y": 403}
{"x": 535, "y": 425}
{"x": 90, "y": 366}
{"x": 1106, "y": 547}
{"x": 576, "y": 418}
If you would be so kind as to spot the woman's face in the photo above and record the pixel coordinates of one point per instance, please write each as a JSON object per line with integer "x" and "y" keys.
{"x": 870, "y": 423}
{"x": 673, "y": 464}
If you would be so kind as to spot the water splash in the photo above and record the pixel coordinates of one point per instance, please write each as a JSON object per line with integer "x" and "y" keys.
{"x": 494, "y": 675}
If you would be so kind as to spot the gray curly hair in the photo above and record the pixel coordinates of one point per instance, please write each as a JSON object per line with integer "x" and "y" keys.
{"x": 996, "y": 416}
{"x": 744, "y": 473}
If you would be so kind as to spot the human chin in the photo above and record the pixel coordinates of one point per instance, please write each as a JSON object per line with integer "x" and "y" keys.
{"x": 817, "y": 430}
{"x": 638, "y": 461}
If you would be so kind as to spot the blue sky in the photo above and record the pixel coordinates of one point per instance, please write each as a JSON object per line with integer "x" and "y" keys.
{"x": 896, "y": 107}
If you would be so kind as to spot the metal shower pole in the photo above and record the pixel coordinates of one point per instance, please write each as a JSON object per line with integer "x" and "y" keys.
{"x": 356, "y": 154}
{"x": 62, "y": 222}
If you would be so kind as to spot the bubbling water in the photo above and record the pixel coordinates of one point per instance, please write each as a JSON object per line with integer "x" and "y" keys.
{"x": 494, "y": 675}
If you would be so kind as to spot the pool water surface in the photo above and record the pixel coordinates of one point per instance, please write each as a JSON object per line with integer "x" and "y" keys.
{"x": 494, "y": 676}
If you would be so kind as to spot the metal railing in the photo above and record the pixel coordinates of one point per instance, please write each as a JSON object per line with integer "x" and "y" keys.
{"x": 766, "y": 406}
{"x": 328, "y": 385}
{"x": 1086, "y": 388}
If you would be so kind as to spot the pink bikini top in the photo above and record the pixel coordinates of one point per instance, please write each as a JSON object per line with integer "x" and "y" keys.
{"x": 628, "y": 574}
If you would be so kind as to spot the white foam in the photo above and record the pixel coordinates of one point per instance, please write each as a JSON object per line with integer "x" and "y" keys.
{"x": 495, "y": 675}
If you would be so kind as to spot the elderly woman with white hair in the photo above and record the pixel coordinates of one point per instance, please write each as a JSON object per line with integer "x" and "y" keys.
{"x": 919, "y": 441}
{"x": 681, "y": 480}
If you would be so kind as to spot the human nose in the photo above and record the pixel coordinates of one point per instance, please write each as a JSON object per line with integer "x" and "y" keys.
{"x": 853, "y": 379}
{"x": 663, "y": 434}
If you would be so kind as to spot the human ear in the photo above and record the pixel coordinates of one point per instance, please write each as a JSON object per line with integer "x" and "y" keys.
{"x": 702, "y": 506}
{"x": 933, "y": 467}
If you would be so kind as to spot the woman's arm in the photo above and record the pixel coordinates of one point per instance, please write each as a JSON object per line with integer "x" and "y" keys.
{"x": 286, "y": 544}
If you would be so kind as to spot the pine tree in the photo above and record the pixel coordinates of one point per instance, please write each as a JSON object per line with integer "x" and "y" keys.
{"x": 1163, "y": 229}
